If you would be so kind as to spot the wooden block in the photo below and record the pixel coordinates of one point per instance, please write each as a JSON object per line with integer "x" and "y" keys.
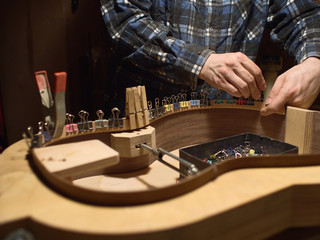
{"x": 126, "y": 142}
{"x": 127, "y": 104}
{"x": 126, "y": 124}
{"x": 139, "y": 120}
{"x": 137, "y": 101}
{"x": 302, "y": 129}
{"x": 130, "y": 105}
{"x": 144, "y": 102}
{"x": 146, "y": 117}
{"x": 72, "y": 159}
{"x": 132, "y": 121}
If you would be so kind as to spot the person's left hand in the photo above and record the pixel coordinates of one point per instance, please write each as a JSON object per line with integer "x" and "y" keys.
{"x": 299, "y": 87}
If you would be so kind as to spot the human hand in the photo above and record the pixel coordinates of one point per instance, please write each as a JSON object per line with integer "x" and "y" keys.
{"x": 234, "y": 73}
{"x": 298, "y": 87}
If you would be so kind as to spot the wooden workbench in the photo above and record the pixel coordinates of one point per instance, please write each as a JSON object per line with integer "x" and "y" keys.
{"x": 242, "y": 204}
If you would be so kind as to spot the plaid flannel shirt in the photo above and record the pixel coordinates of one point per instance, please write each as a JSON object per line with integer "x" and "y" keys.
{"x": 166, "y": 42}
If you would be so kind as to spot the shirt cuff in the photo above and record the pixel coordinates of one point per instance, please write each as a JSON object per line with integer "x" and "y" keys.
{"x": 203, "y": 58}
{"x": 189, "y": 64}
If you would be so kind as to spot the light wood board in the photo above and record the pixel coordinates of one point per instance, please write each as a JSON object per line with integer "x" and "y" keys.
{"x": 303, "y": 129}
{"x": 243, "y": 204}
{"x": 71, "y": 159}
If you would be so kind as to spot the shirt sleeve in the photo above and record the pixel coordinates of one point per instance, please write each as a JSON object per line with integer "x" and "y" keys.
{"x": 296, "y": 24}
{"x": 148, "y": 44}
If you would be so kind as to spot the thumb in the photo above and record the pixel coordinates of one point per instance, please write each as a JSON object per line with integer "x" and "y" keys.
{"x": 276, "y": 100}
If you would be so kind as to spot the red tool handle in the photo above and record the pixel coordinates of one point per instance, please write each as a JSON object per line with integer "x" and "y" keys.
{"x": 60, "y": 80}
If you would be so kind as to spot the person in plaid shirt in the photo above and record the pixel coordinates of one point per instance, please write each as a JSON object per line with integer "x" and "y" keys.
{"x": 175, "y": 45}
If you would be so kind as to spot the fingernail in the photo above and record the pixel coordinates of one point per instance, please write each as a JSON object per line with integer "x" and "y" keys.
{"x": 268, "y": 101}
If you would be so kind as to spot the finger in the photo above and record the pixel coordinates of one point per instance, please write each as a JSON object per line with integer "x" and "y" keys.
{"x": 256, "y": 72}
{"x": 238, "y": 83}
{"x": 229, "y": 88}
{"x": 251, "y": 82}
{"x": 276, "y": 100}
{"x": 276, "y": 89}
{"x": 276, "y": 105}
{"x": 233, "y": 91}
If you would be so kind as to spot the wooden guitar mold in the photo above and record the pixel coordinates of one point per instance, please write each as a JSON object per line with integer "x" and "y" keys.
{"x": 172, "y": 131}
{"x": 254, "y": 203}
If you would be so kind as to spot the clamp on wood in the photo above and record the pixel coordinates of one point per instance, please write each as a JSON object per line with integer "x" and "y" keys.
{"x": 159, "y": 153}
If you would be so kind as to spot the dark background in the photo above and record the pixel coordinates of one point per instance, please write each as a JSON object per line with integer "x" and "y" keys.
{"x": 56, "y": 36}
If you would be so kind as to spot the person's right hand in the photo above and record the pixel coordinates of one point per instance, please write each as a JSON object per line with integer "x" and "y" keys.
{"x": 299, "y": 86}
{"x": 234, "y": 73}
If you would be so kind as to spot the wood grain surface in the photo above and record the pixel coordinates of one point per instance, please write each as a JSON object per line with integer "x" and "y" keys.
{"x": 250, "y": 203}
